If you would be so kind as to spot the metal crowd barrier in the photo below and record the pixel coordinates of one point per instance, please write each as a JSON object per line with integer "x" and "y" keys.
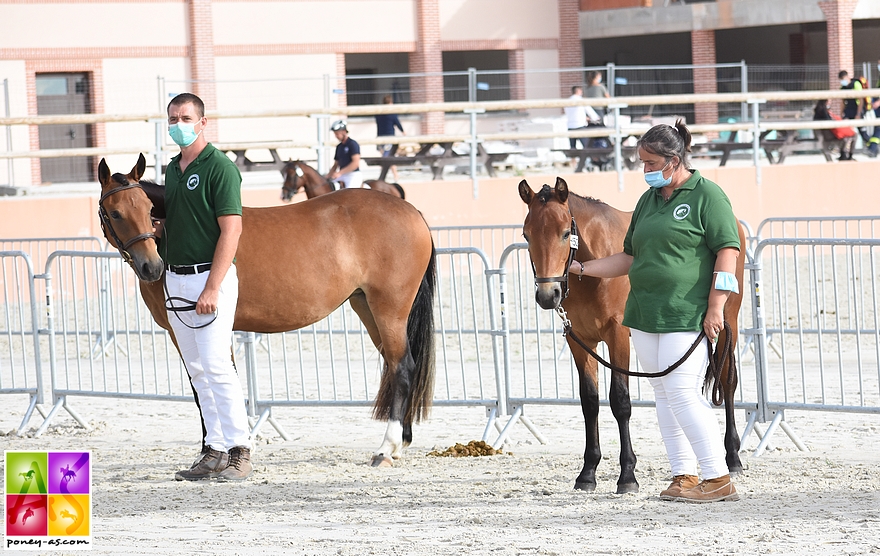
{"x": 814, "y": 333}
{"x": 334, "y": 363}
{"x": 102, "y": 340}
{"x": 20, "y": 360}
{"x": 817, "y": 302}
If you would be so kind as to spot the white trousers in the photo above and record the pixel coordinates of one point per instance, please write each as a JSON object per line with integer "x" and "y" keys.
{"x": 207, "y": 354}
{"x": 351, "y": 179}
{"x": 688, "y": 424}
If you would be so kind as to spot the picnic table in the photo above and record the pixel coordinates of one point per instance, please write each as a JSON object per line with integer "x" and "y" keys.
{"x": 786, "y": 142}
{"x": 601, "y": 157}
{"x": 428, "y": 157}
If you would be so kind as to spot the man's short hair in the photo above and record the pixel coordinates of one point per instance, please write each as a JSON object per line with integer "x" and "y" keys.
{"x": 842, "y": 74}
{"x": 575, "y": 88}
{"x": 184, "y": 98}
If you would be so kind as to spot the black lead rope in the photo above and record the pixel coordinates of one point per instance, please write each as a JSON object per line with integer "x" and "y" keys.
{"x": 189, "y": 305}
{"x": 713, "y": 371}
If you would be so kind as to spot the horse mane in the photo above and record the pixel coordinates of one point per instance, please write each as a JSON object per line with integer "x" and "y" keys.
{"x": 547, "y": 192}
{"x": 156, "y": 194}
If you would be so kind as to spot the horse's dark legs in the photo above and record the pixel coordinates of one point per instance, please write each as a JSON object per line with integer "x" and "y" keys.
{"x": 621, "y": 407}
{"x": 589, "y": 393}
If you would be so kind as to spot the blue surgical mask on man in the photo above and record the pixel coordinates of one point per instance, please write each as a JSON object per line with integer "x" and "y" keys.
{"x": 183, "y": 134}
{"x": 656, "y": 180}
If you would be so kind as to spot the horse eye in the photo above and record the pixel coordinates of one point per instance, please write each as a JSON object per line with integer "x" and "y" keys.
{"x": 566, "y": 235}
{"x": 114, "y": 214}
{"x": 525, "y": 237}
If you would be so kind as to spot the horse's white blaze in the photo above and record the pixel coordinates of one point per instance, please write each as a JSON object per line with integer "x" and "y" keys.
{"x": 393, "y": 441}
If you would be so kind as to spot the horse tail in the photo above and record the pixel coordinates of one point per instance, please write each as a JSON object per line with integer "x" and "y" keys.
{"x": 420, "y": 337}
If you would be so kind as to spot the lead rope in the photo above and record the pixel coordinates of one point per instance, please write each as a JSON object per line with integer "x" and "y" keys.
{"x": 189, "y": 304}
{"x": 713, "y": 371}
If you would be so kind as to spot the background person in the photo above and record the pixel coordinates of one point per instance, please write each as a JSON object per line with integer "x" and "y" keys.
{"x": 385, "y": 125}
{"x": 680, "y": 253}
{"x": 199, "y": 239}
{"x": 346, "y": 167}
{"x": 579, "y": 117}
{"x": 846, "y": 135}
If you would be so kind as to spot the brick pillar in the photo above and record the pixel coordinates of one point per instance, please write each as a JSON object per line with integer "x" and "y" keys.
{"x": 516, "y": 63}
{"x": 428, "y": 58}
{"x": 201, "y": 59}
{"x": 341, "y": 83}
{"x": 570, "y": 51}
{"x": 838, "y": 17}
{"x": 703, "y": 53}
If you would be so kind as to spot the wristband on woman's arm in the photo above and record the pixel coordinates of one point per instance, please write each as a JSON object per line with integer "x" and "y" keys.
{"x": 726, "y": 281}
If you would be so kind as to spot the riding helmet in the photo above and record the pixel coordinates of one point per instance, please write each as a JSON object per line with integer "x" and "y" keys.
{"x": 338, "y": 125}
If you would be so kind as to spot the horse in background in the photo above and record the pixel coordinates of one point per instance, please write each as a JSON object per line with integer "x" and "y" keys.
{"x": 595, "y": 307}
{"x": 299, "y": 175}
{"x": 380, "y": 259}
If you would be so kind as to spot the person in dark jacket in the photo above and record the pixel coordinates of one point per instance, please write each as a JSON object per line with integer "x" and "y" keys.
{"x": 385, "y": 126}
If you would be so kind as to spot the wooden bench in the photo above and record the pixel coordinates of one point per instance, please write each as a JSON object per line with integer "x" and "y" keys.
{"x": 603, "y": 155}
{"x": 792, "y": 143}
{"x": 436, "y": 162}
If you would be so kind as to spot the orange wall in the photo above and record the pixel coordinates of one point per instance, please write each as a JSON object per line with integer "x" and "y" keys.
{"x": 836, "y": 189}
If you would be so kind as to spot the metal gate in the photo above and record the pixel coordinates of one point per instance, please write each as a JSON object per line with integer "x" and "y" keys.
{"x": 20, "y": 371}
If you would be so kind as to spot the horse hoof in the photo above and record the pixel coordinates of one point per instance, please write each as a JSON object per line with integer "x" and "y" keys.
{"x": 380, "y": 460}
{"x": 586, "y": 487}
{"x": 628, "y": 488}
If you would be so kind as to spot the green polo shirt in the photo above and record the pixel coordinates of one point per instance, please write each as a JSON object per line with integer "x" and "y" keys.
{"x": 210, "y": 187}
{"x": 673, "y": 244}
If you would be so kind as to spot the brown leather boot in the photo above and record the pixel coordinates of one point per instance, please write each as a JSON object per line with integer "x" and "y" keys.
{"x": 711, "y": 490}
{"x": 208, "y": 466}
{"x": 679, "y": 483}
{"x": 239, "y": 467}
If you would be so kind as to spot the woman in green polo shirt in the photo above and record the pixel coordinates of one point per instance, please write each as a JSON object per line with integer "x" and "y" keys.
{"x": 680, "y": 254}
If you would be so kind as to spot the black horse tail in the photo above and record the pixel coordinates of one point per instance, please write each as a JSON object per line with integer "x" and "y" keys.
{"x": 420, "y": 340}
{"x": 420, "y": 337}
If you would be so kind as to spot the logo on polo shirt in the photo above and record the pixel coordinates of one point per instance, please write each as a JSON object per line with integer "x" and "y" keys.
{"x": 681, "y": 211}
{"x": 192, "y": 182}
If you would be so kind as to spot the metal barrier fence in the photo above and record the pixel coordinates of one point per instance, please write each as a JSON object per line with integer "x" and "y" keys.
{"x": 20, "y": 371}
{"x": 102, "y": 340}
{"x": 816, "y": 305}
{"x": 815, "y": 335}
{"x": 334, "y": 363}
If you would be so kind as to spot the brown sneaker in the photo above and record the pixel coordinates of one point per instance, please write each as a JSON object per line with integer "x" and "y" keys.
{"x": 207, "y": 467}
{"x": 712, "y": 490}
{"x": 239, "y": 467}
{"x": 679, "y": 483}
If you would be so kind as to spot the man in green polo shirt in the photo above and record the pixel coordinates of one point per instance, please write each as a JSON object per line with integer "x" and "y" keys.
{"x": 198, "y": 244}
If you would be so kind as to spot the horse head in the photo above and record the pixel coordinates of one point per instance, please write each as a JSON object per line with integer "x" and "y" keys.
{"x": 124, "y": 212}
{"x": 293, "y": 181}
{"x": 551, "y": 233}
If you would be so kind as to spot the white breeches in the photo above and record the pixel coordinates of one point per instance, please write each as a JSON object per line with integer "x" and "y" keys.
{"x": 207, "y": 354}
{"x": 688, "y": 424}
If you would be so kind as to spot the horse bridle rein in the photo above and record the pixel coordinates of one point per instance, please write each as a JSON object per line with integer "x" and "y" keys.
{"x": 108, "y": 226}
{"x": 573, "y": 242}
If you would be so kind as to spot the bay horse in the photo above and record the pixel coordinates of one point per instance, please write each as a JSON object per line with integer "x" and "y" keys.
{"x": 595, "y": 307}
{"x": 298, "y": 263}
{"x": 297, "y": 174}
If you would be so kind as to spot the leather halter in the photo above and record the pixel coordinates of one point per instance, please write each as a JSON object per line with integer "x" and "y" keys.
{"x": 108, "y": 227}
{"x": 563, "y": 280}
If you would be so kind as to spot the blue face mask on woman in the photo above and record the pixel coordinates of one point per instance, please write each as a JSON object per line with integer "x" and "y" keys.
{"x": 656, "y": 180}
{"x": 183, "y": 134}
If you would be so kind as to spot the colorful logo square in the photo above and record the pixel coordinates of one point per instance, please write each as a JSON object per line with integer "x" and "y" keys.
{"x": 48, "y": 500}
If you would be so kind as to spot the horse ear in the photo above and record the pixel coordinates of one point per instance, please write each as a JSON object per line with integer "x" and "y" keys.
{"x": 561, "y": 189}
{"x": 103, "y": 172}
{"x": 525, "y": 192}
{"x": 138, "y": 171}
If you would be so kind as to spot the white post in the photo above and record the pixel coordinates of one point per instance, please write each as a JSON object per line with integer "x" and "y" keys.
{"x": 756, "y": 138}
{"x": 11, "y": 175}
{"x": 618, "y": 148}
